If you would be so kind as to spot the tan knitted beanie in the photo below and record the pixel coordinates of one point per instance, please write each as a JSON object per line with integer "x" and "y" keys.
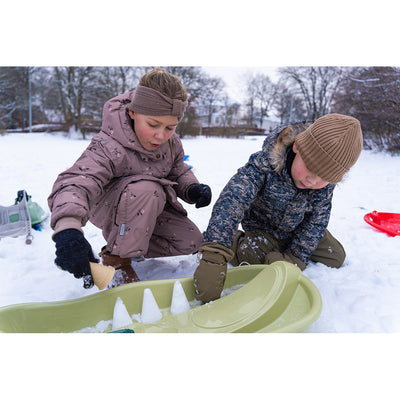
{"x": 331, "y": 146}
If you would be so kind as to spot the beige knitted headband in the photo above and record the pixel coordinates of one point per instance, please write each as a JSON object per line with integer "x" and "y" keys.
{"x": 149, "y": 101}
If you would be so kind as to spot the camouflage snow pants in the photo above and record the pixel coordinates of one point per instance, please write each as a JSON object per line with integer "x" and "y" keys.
{"x": 144, "y": 224}
{"x": 252, "y": 246}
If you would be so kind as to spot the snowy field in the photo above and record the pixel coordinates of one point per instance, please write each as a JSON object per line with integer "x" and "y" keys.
{"x": 361, "y": 297}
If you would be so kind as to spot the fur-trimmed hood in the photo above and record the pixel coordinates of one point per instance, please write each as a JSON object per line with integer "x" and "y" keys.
{"x": 276, "y": 145}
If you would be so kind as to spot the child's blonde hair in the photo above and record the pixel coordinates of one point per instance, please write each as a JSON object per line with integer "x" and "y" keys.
{"x": 164, "y": 82}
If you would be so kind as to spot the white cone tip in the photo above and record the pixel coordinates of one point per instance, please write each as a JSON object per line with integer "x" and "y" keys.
{"x": 121, "y": 316}
{"x": 150, "y": 311}
{"x": 179, "y": 302}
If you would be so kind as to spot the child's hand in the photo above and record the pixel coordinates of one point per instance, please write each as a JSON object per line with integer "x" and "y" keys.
{"x": 73, "y": 254}
{"x": 200, "y": 194}
{"x": 209, "y": 277}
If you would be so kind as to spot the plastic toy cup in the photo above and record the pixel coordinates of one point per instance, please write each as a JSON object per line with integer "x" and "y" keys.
{"x": 102, "y": 274}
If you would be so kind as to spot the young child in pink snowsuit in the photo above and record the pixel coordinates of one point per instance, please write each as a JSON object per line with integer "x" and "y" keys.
{"x": 127, "y": 183}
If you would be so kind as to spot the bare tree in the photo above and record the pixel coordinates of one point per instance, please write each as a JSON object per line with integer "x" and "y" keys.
{"x": 112, "y": 81}
{"x": 316, "y": 85}
{"x": 73, "y": 85}
{"x": 212, "y": 93}
{"x": 261, "y": 96}
{"x": 372, "y": 94}
{"x": 14, "y": 96}
{"x": 230, "y": 112}
{"x": 250, "y": 91}
{"x": 288, "y": 106}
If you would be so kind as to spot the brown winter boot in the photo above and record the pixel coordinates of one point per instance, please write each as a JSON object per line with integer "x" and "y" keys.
{"x": 124, "y": 273}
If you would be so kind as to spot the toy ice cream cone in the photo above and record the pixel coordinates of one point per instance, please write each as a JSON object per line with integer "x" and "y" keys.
{"x": 102, "y": 274}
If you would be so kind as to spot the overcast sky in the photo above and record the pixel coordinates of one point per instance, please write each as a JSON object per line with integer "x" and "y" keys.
{"x": 235, "y": 77}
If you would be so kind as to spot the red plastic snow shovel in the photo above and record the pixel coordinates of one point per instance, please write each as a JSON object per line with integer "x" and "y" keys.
{"x": 385, "y": 222}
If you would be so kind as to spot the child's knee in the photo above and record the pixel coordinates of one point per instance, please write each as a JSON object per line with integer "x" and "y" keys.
{"x": 192, "y": 239}
{"x": 252, "y": 246}
{"x": 144, "y": 194}
{"x": 340, "y": 256}
{"x": 149, "y": 188}
{"x": 329, "y": 252}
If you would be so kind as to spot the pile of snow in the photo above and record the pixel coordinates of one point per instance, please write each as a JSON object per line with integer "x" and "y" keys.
{"x": 362, "y": 296}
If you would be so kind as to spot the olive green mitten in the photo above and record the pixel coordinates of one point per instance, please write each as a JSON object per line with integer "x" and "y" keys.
{"x": 209, "y": 277}
{"x": 290, "y": 258}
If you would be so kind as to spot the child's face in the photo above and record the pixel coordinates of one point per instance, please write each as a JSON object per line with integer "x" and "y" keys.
{"x": 152, "y": 131}
{"x": 303, "y": 178}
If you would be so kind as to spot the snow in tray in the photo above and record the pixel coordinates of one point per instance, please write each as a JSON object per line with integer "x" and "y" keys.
{"x": 151, "y": 312}
{"x": 362, "y": 296}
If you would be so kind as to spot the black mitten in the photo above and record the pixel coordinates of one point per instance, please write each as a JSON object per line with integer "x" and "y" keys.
{"x": 200, "y": 194}
{"x": 73, "y": 254}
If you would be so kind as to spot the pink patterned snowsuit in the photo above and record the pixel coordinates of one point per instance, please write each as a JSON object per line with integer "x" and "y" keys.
{"x": 128, "y": 192}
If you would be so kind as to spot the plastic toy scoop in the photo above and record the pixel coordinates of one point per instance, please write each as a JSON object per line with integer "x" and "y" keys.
{"x": 102, "y": 274}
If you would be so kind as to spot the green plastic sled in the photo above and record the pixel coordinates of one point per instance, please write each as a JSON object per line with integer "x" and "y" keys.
{"x": 273, "y": 298}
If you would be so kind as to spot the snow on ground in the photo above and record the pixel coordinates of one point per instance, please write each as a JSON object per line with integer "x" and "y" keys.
{"x": 362, "y": 296}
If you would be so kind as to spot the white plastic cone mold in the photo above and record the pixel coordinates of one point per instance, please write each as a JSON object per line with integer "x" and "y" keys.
{"x": 179, "y": 302}
{"x": 150, "y": 311}
{"x": 121, "y": 316}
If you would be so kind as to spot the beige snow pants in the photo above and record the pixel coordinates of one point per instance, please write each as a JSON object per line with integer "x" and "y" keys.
{"x": 146, "y": 225}
{"x": 252, "y": 246}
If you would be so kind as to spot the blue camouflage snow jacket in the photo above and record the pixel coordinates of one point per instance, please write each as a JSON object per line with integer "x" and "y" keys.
{"x": 262, "y": 196}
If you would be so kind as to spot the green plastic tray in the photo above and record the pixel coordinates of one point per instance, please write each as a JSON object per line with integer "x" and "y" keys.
{"x": 274, "y": 298}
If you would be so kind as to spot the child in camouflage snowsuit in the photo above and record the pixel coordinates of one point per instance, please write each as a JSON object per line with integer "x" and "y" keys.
{"x": 282, "y": 198}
